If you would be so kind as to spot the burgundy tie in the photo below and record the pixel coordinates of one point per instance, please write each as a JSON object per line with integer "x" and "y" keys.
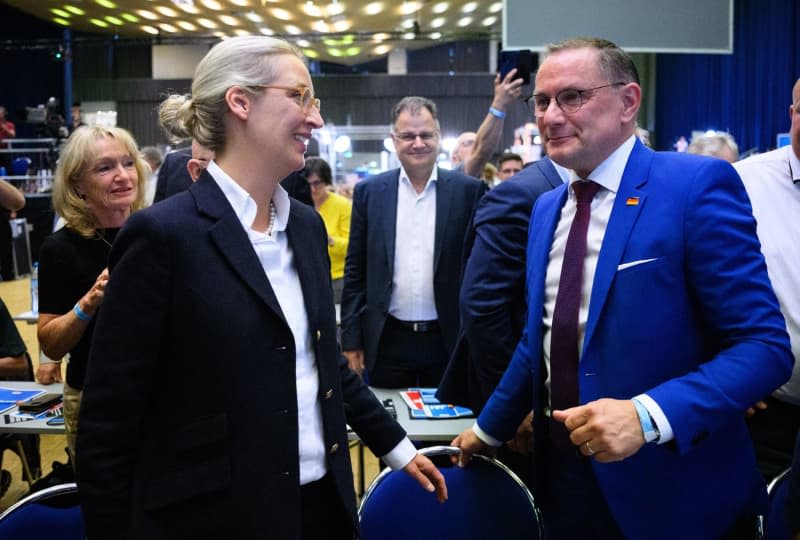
{"x": 564, "y": 334}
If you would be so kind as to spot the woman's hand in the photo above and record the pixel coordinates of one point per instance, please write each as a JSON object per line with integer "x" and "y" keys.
{"x": 92, "y": 300}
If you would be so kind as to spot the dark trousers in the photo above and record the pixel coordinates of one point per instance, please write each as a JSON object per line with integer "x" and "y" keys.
{"x": 323, "y": 514}
{"x": 774, "y": 431}
{"x": 408, "y": 359}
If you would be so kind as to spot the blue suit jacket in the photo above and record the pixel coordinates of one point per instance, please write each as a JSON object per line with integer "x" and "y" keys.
{"x": 492, "y": 300}
{"x": 681, "y": 308}
{"x": 189, "y": 414}
{"x": 369, "y": 265}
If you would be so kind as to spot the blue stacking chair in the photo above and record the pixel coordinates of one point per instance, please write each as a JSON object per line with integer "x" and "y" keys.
{"x": 486, "y": 501}
{"x": 776, "y": 527}
{"x": 20, "y": 166}
{"x": 53, "y": 512}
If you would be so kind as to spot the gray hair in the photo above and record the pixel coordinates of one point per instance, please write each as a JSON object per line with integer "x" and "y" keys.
{"x": 714, "y": 144}
{"x": 151, "y": 155}
{"x": 414, "y": 104}
{"x": 243, "y": 61}
{"x": 615, "y": 63}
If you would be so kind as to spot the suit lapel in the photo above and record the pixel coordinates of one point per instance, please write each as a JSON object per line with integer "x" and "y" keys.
{"x": 443, "y": 199}
{"x": 231, "y": 239}
{"x": 547, "y": 212}
{"x": 387, "y": 207}
{"x": 620, "y": 224}
{"x": 549, "y": 171}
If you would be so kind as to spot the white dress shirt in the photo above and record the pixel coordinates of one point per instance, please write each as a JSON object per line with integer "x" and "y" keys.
{"x": 277, "y": 259}
{"x": 415, "y": 233}
{"x": 772, "y": 181}
{"x": 609, "y": 175}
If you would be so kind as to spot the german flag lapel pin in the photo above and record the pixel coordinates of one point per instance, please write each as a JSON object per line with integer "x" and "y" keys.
{"x": 632, "y": 201}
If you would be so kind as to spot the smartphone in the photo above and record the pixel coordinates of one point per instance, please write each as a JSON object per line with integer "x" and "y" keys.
{"x": 39, "y": 403}
{"x": 522, "y": 60}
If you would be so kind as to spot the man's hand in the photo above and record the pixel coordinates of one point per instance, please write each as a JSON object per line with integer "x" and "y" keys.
{"x": 429, "y": 477}
{"x": 521, "y": 443}
{"x": 506, "y": 90}
{"x": 607, "y": 429}
{"x": 758, "y": 406}
{"x": 355, "y": 359}
{"x": 469, "y": 443}
{"x": 49, "y": 373}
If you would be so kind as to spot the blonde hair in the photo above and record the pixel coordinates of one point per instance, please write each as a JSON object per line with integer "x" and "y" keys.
{"x": 74, "y": 162}
{"x": 243, "y": 61}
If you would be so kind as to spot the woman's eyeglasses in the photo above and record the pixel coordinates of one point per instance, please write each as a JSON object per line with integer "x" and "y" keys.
{"x": 301, "y": 94}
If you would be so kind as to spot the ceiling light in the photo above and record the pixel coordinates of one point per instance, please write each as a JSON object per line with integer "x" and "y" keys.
{"x": 320, "y": 26}
{"x": 441, "y": 7}
{"x": 220, "y": 34}
{"x": 438, "y": 22}
{"x": 335, "y": 8}
{"x": 106, "y": 4}
{"x": 186, "y": 25}
{"x": 166, "y": 11}
{"x": 99, "y": 22}
{"x": 407, "y": 23}
{"x": 241, "y": 32}
{"x": 469, "y": 7}
{"x": 230, "y": 20}
{"x": 311, "y": 53}
{"x": 342, "y": 26}
{"x": 292, "y": 29}
{"x": 150, "y": 30}
{"x": 253, "y": 16}
{"x": 74, "y": 9}
{"x": 187, "y": 6}
{"x": 489, "y": 21}
{"x": 353, "y": 51}
{"x": 207, "y": 23}
{"x": 61, "y": 13}
{"x": 62, "y": 22}
{"x": 240, "y": 3}
{"x": 374, "y": 8}
{"x": 168, "y": 28}
{"x": 382, "y": 36}
{"x": 149, "y": 15}
{"x": 464, "y": 21}
{"x": 382, "y": 49}
{"x": 212, "y": 4}
{"x": 114, "y": 20}
{"x": 335, "y": 52}
{"x": 130, "y": 18}
{"x": 311, "y": 9}
{"x": 409, "y": 36}
{"x": 266, "y": 31}
{"x": 281, "y": 14}
{"x": 496, "y": 7}
{"x": 303, "y": 43}
{"x": 435, "y": 36}
{"x": 407, "y": 8}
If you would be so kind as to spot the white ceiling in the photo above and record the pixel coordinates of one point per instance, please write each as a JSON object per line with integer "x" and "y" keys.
{"x": 342, "y": 31}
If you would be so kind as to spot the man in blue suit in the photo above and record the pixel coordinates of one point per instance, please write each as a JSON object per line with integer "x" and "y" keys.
{"x": 403, "y": 267}
{"x": 652, "y": 325}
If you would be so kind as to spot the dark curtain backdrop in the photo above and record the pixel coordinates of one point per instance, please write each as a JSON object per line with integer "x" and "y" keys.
{"x": 747, "y": 93}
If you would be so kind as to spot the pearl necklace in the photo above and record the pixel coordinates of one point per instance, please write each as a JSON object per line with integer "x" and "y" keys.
{"x": 273, "y": 215}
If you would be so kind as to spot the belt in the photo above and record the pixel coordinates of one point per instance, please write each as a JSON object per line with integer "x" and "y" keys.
{"x": 418, "y": 327}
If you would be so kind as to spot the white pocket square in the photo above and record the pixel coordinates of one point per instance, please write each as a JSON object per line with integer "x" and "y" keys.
{"x": 623, "y": 266}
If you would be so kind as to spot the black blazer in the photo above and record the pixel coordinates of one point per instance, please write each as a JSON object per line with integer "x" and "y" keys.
{"x": 369, "y": 265}
{"x": 173, "y": 177}
{"x": 492, "y": 299}
{"x": 189, "y": 416}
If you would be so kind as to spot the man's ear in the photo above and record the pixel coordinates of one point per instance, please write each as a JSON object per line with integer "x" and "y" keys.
{"x": 238, "y": 101}
{"x": 631, "y": 95}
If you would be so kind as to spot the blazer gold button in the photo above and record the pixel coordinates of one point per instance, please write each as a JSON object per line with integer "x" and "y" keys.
{"x": 334, "y": 448}
{"x": 329, "y": 394}
{"x": 319, "y": 334}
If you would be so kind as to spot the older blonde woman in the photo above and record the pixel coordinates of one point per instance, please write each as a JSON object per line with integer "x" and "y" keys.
{"x": 216, "y": 401}
{"x": 96, "y": 188}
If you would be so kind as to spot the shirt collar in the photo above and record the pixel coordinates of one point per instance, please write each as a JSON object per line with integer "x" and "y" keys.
{"x": 244, "y": 206}
{"x": 609, "y": 173}
{"x": 434, "y": 177}
{"x": 794, "y": 165}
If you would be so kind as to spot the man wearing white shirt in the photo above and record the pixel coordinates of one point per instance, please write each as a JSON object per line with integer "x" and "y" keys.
{"x": 402, "y": 271}
{"x": 652, "y": 325}
{"x": 772, "y": 181}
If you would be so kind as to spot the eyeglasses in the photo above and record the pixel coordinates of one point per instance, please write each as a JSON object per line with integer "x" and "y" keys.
{"x": 569, "y": 100}
{"x": 407, "y": 137}
{"x": 301, "y": 94}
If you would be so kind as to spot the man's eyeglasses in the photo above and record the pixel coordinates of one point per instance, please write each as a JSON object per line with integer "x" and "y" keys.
{"x": 569, "y": 100}
{"x": 301, "y": 94}
{"x": 426, "y": 136}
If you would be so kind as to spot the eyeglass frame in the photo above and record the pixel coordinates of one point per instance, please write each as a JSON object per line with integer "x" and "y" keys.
{"x": 303, "y": 90}
{"x": 408, "y": 137}
{"x": 534, "y": 109}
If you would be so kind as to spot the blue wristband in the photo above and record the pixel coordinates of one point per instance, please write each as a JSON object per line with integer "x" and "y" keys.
{"x": 650, "y": 432}
{"x": 82, "y": 315}
{"x": 497, "y": 113}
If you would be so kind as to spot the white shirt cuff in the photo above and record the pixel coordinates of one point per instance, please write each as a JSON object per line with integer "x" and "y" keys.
{"x": 658, "y": 416}
{"x": 401, "y": 455}
{"x": 485, "y": 437}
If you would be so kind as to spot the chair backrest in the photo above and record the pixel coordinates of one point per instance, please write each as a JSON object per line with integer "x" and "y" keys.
{"x": 20, "y": 166}
{"x": 776, "y": 527}
{"x": 54, "y": 511}
{"x": 486, "y": 501}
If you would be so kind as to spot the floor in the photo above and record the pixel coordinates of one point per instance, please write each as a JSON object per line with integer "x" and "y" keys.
{"x": 16, "y": 295}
